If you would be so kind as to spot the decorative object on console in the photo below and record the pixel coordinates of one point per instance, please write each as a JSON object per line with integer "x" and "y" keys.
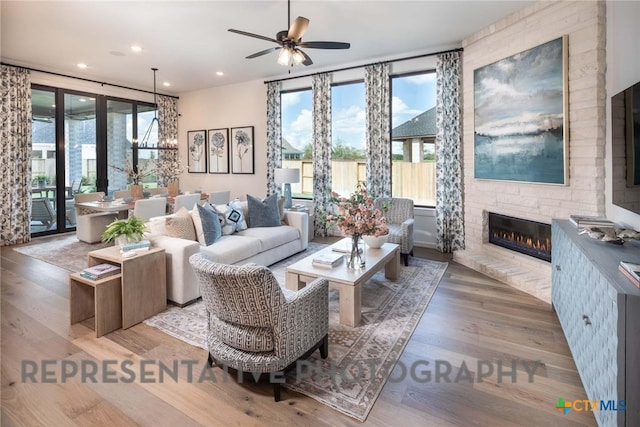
{"x": 218, "y": 150}
{"x": 614, "y": 235}
{"x": 517, "y": 140}
{"x": 242, "y": 150}
{"x": 197, "y": 151}
{"x": 287, "y": 177}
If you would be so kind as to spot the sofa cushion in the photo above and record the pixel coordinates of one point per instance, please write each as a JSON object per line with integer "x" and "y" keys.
{"x": 231, "y": 218}
{"x": 180, "y": 225}
{"x": 231, "y": 249}
{"x": 271, "y": 237}
{"x": 263, "y": 213}
{"x": 206, "y": 224}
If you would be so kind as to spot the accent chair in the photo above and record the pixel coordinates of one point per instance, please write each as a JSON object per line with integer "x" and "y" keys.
{"x": 186, "y": 200}
{"x": 257, "y": 327}
{"x": 400, "y": 222}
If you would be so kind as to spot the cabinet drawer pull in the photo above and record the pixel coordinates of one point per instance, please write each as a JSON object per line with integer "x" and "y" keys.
{"x": 558, "y": 267}
{"x": 586, "y": 319}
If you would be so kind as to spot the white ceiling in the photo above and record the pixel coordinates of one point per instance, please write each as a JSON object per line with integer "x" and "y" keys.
{"x": 188, "y": 41}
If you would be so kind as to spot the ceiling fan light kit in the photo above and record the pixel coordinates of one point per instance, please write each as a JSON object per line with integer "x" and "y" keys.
{"x": 290, "y": 41}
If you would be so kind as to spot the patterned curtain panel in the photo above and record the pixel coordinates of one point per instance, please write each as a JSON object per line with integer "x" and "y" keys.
{"x": 167, "y": 131}
{"x": 449, "y": 213}
{"x": 377, "y": 89}
{"x": 274, "y": 135}
{"x": 15, "y": 134}
{"x": 321, "y": 88}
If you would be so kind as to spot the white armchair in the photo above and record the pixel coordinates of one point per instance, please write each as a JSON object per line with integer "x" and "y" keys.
{"x": 91, "y": 224}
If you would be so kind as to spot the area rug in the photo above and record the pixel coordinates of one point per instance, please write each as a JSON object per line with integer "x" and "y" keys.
{"x": 361, "y": 358}
{"x": 66, "y": 252}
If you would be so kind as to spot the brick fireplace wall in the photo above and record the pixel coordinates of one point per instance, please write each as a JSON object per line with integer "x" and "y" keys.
{"x": 585, "y": 25}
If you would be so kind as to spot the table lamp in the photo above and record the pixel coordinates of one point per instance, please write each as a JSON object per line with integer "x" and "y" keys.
{"x": 287, "y": 177}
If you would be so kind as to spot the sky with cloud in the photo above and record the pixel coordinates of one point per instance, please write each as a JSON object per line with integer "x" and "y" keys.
{"x": 411, "y": 95}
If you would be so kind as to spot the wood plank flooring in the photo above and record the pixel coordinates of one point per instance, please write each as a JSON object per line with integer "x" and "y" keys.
{"x": 471, "y": 322}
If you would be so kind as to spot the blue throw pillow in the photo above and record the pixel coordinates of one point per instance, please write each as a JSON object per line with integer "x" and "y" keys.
{"x": 264, "y": 213}
{"x": 211, "y": 230}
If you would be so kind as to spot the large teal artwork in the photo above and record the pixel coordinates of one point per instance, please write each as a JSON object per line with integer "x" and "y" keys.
{"x": 520, "y": 103}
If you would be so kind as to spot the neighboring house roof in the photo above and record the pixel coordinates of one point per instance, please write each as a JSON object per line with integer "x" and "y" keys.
{"x": 287, "y": 148}
{"x": 421, "y": 126}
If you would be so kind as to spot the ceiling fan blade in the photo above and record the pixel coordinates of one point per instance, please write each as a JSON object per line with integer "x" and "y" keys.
{"x": 263, "y": 52}
{"x": 307, "y": 60}
{"x": 298, "y": 28}
{"x": 257, "y": 36}
{"x": 325, "y": 45}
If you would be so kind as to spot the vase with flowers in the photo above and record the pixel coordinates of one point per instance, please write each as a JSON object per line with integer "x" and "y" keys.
{"x": 136, "y": 175}
{"x": 169, "y": 171}
{"x": 356, "y": 216}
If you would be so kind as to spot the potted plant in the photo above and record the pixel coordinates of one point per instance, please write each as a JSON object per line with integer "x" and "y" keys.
{"x": 41, "y": 180}
{"x": 123, "y": 231}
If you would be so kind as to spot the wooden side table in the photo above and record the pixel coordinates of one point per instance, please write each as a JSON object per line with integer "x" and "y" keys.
{"x": 143, "y": 281}
{"x": 101, "y": 299}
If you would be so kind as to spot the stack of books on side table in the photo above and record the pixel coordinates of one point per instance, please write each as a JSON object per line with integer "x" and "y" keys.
{"x": 631, "y": 271}
{"x": 142, "y": 245}
{"x": 327, "y": 260}
{"x": 100, "y": 271}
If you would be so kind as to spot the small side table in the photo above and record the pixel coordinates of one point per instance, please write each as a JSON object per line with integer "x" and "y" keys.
{"x": 101, "y": 299}
{"x": 310, "y": 224}
{"x": 143, "y": 281}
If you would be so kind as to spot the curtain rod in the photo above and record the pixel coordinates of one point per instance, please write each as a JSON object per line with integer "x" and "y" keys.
{"x": 85, "y": 79}
{"x": 459, "y": 49}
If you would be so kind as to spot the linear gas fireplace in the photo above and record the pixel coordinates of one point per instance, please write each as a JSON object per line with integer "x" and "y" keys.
{"x": 521, "y": 235}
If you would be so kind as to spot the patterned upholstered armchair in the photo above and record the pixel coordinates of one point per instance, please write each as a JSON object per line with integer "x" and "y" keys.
{"x": 400, "y": 222}
{"x": 256, "y": 326}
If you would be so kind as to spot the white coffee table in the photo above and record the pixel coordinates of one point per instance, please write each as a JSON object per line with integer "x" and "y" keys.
{"x": 348, "y": 282}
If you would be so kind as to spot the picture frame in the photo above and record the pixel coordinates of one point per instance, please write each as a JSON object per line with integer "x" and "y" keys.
{"x": 521, "y": 116}
{"x": 197, "y": 151}
{"x": 218, "y": 150}
{"x": 242, "y": 150}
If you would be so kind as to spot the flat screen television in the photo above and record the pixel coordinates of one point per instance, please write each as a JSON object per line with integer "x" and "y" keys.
{"x": 625, "y": 138}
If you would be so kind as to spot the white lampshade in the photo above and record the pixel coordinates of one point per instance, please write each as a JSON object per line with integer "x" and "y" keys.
{"x": 287, "y": 176}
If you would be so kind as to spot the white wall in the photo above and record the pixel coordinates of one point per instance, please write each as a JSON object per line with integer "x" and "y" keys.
{"x": 623, "y": 70}
{"x": 229, "y": 106}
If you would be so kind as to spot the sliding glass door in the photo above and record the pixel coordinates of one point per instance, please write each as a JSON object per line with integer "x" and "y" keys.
{"x": 76, "y": 137}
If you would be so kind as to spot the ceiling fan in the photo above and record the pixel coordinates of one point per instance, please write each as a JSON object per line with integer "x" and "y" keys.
{"x": 290, "y": 42}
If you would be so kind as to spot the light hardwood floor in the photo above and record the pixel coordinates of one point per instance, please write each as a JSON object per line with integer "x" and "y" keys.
{"x": 470, "y": 318}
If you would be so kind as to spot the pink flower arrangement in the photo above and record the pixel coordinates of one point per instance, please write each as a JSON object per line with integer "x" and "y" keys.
{"x": 356, "y": 215}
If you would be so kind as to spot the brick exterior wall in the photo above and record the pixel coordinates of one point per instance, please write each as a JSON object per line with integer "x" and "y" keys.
{"x": 585, "y": 25}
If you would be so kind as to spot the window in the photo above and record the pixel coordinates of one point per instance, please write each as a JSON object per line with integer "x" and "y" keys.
{"x": 413, "y": 129}
{"x": 297, "y": 131}
{"x": 348, "y": 130}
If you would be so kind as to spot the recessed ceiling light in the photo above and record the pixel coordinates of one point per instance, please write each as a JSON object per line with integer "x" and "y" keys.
{"x": 136, "y": 48}
{"x": 166, "y": 84}
{"x": 219, "y": 73}
{"x": 82, "y": 65}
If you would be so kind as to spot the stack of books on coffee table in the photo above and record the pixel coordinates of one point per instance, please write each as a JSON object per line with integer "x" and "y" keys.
{"x": 327, "y": 260}
{"x": 100, "y": 271}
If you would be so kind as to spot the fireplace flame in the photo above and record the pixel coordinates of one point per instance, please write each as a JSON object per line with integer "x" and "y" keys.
{"x": 524, "y": 240}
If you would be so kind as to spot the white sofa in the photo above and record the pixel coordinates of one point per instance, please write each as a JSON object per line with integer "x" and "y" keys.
{"x": 260, "y": 245}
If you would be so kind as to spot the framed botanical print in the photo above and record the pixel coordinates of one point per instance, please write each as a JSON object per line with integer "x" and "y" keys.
{"x": 242, "y": 150}
{"x": 218, "y": 150}
{"x": 197, "y": 151}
